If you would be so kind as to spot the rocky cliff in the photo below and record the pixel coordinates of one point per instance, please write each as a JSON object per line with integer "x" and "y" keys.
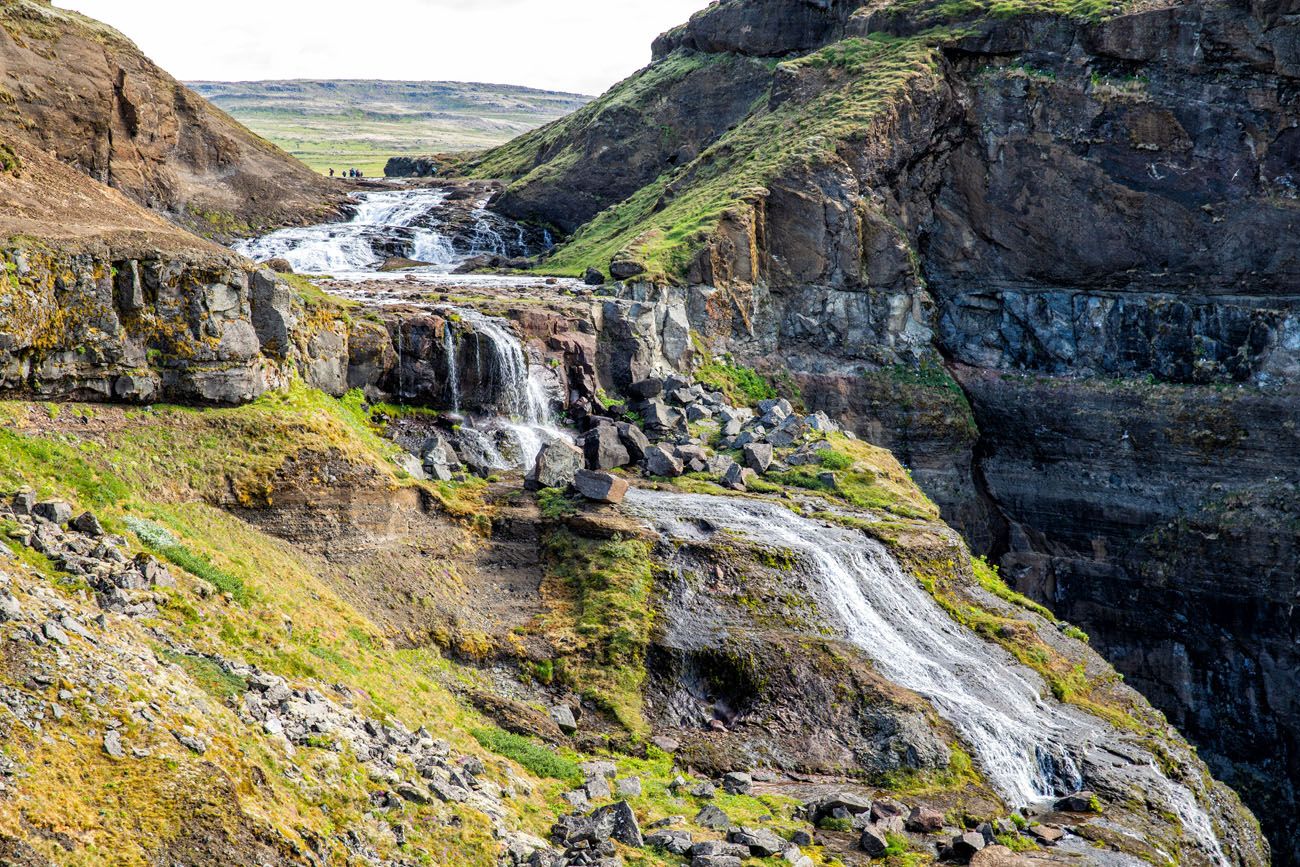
{"x": 1044, "y": 252}
{"x": 78, "y": 89}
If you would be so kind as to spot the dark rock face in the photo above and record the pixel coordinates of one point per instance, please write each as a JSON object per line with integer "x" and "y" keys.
{"x": 1162, "y": 518}
{"x": 1159, "y": 517}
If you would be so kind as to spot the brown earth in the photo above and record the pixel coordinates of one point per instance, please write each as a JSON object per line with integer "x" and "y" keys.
{"x": 83, "y": 92}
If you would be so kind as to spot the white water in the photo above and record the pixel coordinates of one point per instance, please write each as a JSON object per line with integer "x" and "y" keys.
{"x": 1030, "y": 749}
{"x": 517, "y": 387}
{"x": 453, "y": 371}
{"x": 401, "y": 221}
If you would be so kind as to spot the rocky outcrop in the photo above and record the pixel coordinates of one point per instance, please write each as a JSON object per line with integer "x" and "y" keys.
{"x": 83, "y": 92}
{"x": 1041, "y": 200}
{"x": 420, "y": 167}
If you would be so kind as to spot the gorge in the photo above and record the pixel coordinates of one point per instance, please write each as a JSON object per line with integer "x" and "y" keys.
{"x": 645, "y": 495}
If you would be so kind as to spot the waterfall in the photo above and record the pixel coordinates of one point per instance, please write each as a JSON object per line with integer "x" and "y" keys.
{"x": 1029, "y": 748}
{"x": 409, "y": 223}
{"x": 453, "y": 371}
{"x": 515, "y": 386}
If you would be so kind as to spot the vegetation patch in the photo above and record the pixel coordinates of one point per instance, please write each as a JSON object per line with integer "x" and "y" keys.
{"x": 539, "y": 760}
{"x": 10, "y": 163}
{"x": 601, "y": 615}
{"x": 742, "y": 386}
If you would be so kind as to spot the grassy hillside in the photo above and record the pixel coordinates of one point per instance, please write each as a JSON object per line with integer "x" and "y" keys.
{"x": 360, "y": 124}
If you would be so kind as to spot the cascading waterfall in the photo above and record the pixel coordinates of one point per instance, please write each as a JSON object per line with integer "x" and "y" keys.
{"x": 386, "y": 223}
{"x": 1030, "y": 749}
{"x": 517, "y": 390}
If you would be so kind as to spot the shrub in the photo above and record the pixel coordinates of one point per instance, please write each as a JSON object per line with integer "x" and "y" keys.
{"x": 538, "y": 759}
{"x": 835, "y": 461}
{"x": 829, "y": 823}
{"x": 162, "y": 543}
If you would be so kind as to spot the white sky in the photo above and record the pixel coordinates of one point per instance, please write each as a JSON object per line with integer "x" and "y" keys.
{"x": 582, "y": 46}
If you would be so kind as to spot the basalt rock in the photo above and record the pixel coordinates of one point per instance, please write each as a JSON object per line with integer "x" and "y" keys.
{"x": 1095, "y": 220}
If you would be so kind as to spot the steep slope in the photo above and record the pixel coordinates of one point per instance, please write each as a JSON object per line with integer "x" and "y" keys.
{"x": 78, "y": 89}
{"x": 362, "y": 124}
{"x": 1085, "y": 213}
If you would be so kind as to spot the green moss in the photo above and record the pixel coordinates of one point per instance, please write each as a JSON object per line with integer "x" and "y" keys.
{"x": 830, "y": 823}
{"x": 556, "y": 504}
{"x": 214, "y": 679}
{"x": 1016, "y": 843}
{"x": 539, "y": 760}
{"x": 10, "y": 163}
{"x": 742, "y": 386}
{"x": 606, "y": 620}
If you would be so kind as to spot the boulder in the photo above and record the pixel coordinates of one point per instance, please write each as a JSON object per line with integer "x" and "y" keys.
{"x": 646, "y": 388}
{"x": 625, "y": 269}
{"x": 964, "y": 846}
{"x": 23, "y": 503}
{"x": 924, "y": 819}
{"x": 1079, "y": 802}
{"x": 873, "y": 841}
{"x": 712, "y": 817}
{"x": 672, "y": 842}
{"x": 758, "y": 456}
{"x": 88, "y": 524}
{"x": 603, "y": 448}
{"x": 563, "y": 716}
{"x": 717, "y": 861}
{"x": 593, "y": 277}
{"x": 761, "y": 842}
{"x": 661, "y": 461}
{"x": 738, "y": 478}
{"x": 737, "y": 783}
{"x": 1046, "y": 834}
{"x": 719, "y": 848}
{"x": 557, "y": 466}
{"x": 629, "y": 787}
{"x": 410, "y": 465}
{"x": 658, "y": 416}
{"x": 622, "y": 823}
{"x": 886, "y": 808}
{"x": 634, "y": 440}
{"x": 601, "y": 487}
{"x": 54, "y": 511}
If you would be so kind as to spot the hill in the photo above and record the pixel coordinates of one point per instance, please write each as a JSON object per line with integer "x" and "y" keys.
{"x": 360, "y": 124}
{"x": 80, "y": 90}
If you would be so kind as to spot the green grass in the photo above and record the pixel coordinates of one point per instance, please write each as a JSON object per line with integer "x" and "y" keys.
{"x": 9, "y": 161}
{"x": 539, "y": 760}
{"x": 666, "y": 223}
{"x": 159, "y": 540}
{"x": 362, "y": 124}
{"x": 742, "y": 386}
{"x": 215, "y": 680}
{"x": 606, "y": 619}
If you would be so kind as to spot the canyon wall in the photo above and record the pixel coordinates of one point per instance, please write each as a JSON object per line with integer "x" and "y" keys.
{"x": 1049, "y": 261}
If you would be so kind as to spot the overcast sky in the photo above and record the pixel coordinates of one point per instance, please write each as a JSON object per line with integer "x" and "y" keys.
{"x": 582, "y": 46}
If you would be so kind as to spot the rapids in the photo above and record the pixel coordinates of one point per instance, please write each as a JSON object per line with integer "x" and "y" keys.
{"x": 387, "y": 223}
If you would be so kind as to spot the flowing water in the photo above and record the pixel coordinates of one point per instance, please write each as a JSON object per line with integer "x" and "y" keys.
{"x": 515, "y": 386}
{"x": 1029, "y": 748}
{"x": 386, "y": 223}
{"x": 409, "y": 223}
